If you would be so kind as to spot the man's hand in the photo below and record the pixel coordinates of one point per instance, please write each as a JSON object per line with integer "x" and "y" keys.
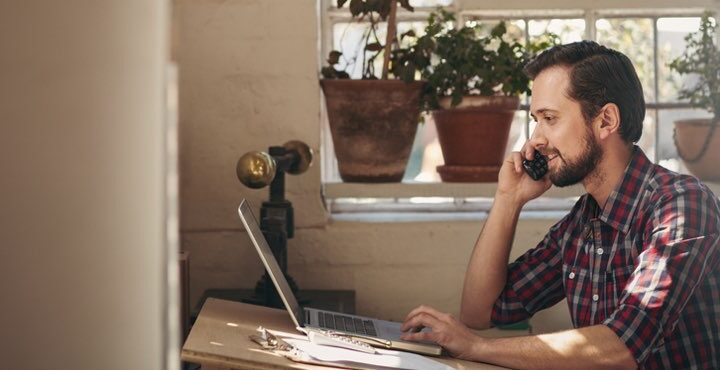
{"x": 592, "y": 347}
{"x": 445, "y": 330}
{"x": 515, "y": 184}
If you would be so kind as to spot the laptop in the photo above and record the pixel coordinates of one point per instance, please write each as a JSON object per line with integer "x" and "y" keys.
{"x": 376, "y": 332}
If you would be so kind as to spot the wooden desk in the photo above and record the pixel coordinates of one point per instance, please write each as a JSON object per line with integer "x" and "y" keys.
{"x": 219, "y": 339}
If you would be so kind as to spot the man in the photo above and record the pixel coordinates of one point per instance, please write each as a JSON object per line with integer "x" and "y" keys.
{"x": 637, "y": 258}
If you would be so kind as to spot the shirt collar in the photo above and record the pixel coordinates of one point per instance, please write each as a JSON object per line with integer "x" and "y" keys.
{"x": 623, "y": 202}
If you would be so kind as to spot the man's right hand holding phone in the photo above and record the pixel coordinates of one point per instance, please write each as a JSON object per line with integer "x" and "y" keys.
{"x": 514, "y": 181}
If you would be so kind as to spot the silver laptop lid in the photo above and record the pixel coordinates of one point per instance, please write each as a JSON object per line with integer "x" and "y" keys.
{"x": 271, "y": 265}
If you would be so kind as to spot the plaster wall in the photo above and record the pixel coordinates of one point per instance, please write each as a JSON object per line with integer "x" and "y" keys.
{"x": 248, "y": 79}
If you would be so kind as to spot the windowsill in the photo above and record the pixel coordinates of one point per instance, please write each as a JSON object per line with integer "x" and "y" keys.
{"x": 335, "y": 190}
{"x": 407, "y": 217}
{"x": 554, "y": 204}
{"x": 434, "y": 202}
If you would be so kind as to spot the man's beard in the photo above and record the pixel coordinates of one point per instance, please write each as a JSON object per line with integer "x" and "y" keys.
{"x": 575, "y": 171}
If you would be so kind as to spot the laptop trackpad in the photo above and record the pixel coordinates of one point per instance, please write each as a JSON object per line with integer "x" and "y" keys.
{"x": 392, "y": 330}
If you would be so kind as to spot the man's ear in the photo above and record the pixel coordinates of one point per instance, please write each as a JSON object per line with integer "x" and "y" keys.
{"x": 609, "y": 120}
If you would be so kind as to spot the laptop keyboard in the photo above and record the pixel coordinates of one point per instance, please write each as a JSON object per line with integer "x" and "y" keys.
{"x": 346, "y": 323}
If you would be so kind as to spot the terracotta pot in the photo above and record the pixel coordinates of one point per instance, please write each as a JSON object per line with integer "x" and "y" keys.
{"x": 473, "y": 137}
{"x": 690, "y": 137}
{"x": 373, "y": 125}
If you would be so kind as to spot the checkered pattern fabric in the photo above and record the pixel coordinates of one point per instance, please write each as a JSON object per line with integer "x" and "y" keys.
{"x": 646, "y": 265}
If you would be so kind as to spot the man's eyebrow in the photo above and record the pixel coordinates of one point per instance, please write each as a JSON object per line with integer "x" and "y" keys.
{"x": 542, "y": 110}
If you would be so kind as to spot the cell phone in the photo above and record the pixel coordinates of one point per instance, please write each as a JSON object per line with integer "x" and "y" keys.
{"x": 537, "y": 167}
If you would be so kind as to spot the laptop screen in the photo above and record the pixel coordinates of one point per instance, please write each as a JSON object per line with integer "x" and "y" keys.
{"x": 271, "y": 265}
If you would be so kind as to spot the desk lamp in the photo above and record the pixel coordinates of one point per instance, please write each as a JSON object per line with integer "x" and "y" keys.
{"x": 256, "y": 170}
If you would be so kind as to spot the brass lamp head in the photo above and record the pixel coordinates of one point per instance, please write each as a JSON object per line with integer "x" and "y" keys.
{"x": 256, "y": 169}
{"x": 304, "y": 152}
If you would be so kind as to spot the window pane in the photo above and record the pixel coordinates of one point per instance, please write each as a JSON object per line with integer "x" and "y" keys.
{"x": 349, "y": 38}
{"x": 647, "y": 139}
{"x": 569, "y": 30}
{"x": 634, "y": 38}
{"x": 426, "y": 154}
{"x": 671, "y": 43}
{"x": 515, "y": 27}
{"x": 518, "y": 131}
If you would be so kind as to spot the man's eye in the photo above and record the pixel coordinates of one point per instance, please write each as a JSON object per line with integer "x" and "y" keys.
{"x": 549, "y": 118}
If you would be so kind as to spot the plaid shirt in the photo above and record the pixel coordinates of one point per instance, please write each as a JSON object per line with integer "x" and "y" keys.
{"x": 647, "y": 265}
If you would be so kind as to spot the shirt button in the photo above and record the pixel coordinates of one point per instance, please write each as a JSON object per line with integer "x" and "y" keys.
{"x": 571, "y": 276}
{"x": 600, "y": 251}
{"x": 596, "y": 297}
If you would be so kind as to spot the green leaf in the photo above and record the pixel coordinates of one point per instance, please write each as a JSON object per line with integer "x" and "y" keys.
{"x": 340, "y": 3}
{"x": 456, "y": 98}
{"x": 408, "y": 74}
{"x": 375, "y": 46}
{"x": 382, "y": 7}
{"x": 328, "y": 72}
{"x": 406, "y": 4}
{"x": 334, "y": 57}
{"x": 356, "y": 7}
{"x": 499, "y": 30}
{"x": 410, "y": 33}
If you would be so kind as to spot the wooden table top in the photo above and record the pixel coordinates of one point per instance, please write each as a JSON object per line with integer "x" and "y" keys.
{"x": 220, "y": 339}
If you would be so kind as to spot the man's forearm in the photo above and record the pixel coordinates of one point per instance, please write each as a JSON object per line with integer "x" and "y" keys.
{"x": 594, "y": 347}
{"x": 487, "y": 271}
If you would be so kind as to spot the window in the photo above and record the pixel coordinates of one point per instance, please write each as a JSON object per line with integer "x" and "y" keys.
{"x": 649, "y": 37}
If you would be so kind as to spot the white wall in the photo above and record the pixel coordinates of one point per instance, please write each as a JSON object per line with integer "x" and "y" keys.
{"x": 82, "y": 185}
{"x": 249, "y": 79}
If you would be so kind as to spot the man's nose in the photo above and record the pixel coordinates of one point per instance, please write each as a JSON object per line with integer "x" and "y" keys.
{"x": 537, "y": 139}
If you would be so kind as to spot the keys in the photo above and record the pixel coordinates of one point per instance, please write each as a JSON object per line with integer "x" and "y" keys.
{"x": 349, "y": 325}
{"x": 370, "y": 328}
{"x": 329, "y": 320}
{"x": 346, "y": 323}
{"x": 359, "y": 327}
{"x": 339, "y": 323}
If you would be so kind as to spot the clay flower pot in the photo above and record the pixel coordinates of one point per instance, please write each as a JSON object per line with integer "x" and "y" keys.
{"x": 691, "y": 136}
{"x": 473, "y": 137}
{"x": 373, "y": 125}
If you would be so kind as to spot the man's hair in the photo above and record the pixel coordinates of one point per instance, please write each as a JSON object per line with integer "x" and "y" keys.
{"x": 598, "y": 76}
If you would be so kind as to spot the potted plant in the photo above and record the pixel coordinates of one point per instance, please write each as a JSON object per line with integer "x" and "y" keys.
{"x": 697, "y": 140}
{"x": 472, "y": 92}
{"x": 373, "y": 121}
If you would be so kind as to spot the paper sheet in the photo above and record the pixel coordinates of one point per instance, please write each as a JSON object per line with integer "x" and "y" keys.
{"x": 383, "y": 358}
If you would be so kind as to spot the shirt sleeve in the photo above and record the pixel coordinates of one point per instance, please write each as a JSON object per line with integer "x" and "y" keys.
{"x": 534, "y": 280}
{"x": 681, "y": 248}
